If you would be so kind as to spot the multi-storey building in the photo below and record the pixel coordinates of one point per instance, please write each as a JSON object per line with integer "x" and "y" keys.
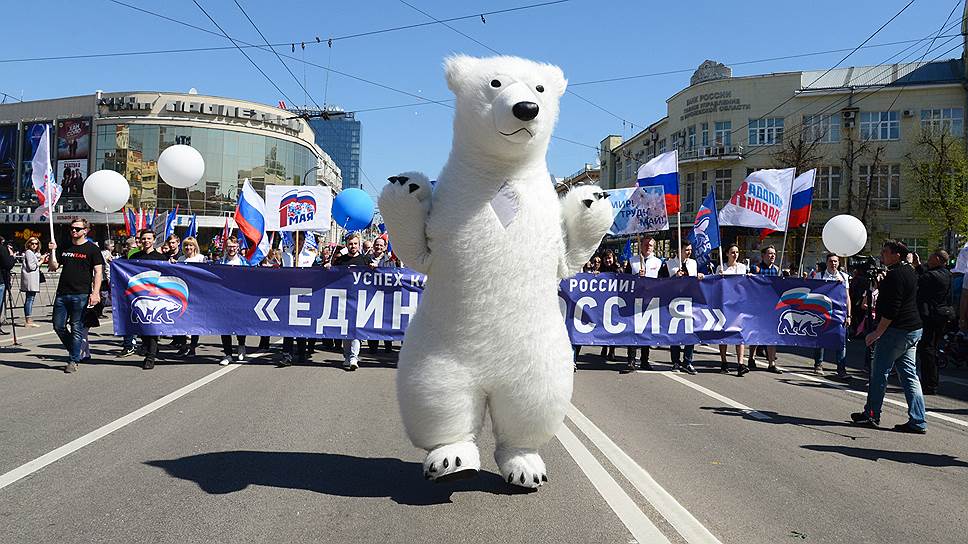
{"x": 855, "y": 125}
{"x": 339, "y": 133}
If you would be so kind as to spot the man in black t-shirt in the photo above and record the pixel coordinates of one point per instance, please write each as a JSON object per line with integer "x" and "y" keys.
{"x": 146, "y": 239}
{"x": 353, "y": 257}
{"x": 79, "y": 288}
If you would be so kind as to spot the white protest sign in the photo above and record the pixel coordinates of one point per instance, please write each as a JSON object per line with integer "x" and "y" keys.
{"x": 638, "y": 209}
{"x": 290, "y": 208}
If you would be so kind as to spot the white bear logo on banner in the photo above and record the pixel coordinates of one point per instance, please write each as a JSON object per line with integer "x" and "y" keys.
{"x": 494, "y": 239}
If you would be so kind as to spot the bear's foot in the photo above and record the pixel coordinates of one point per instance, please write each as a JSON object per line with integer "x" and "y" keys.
{"x": 452, "y": 462}
{"x": 523, "y": 468}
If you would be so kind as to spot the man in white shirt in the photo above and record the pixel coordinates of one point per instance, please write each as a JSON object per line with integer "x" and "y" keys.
{"x": 646, "y": 264}
{"x": 232, "y": 258}
{"x": 834, "y": 273}
{"x": 690, "y": 268}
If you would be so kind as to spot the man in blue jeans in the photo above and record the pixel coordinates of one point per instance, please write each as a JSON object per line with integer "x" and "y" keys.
{"x": 896, "y": 339}
{"x": 79, "y": 287}
{"x": 834, "y": 273}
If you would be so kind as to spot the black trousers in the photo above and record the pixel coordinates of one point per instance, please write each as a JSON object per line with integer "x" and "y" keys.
{"x": 927, "y": 353}
{"x": 150, "y": 344}
{"x": 374, "y": 344}
{"x": 645, "y": 353}
{"x": 300, "y": 347}
{"x": 227, "y": 344}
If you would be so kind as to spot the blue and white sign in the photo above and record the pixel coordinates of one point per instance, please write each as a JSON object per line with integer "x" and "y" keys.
{"x": 638, "y": 209}
{"x": 160, "y": 298}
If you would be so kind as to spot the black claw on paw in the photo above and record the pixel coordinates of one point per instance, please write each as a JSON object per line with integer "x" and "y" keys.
{"x": 604, "y": 194}
{"x": 457, "y": 461}
{"x": 522, "y": 477}
{"x": 402, "y": 179}
{"x": 433, "y": 468}
{"x": 588, "y": 202}
{"x": 510, "y": 477}
{"x": 536, "y": 480}
{"x": 414, "y": 187}
{"x": 446, "y": 463}
{"x": 544, "y": 477}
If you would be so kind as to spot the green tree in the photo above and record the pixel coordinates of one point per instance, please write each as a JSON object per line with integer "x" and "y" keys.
{"x": 938, "y": 170}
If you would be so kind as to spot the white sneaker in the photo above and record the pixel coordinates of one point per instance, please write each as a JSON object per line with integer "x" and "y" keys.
{"x": 226, "y": 361}
{"x": 241, "y": 357}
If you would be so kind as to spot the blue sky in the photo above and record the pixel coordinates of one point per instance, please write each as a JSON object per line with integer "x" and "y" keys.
{"x": 589, "y": 40}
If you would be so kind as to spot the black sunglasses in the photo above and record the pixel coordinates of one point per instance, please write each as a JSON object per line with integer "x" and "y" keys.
{"x": 77, "y": 229}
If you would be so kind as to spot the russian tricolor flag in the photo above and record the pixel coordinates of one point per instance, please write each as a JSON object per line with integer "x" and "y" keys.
{"x": 801, "y": 202}
{"x": 664, "y": 171}
{"x": 250, "y": 214}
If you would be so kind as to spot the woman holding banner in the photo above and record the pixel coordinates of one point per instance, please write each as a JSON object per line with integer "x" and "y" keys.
{"x": 190, "y": 254}
{"x": 732, "y": 267}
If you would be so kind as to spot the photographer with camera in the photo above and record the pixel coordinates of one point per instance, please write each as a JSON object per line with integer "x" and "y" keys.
{"x": 895, "y": 340}
{"x": 934, "y": 286}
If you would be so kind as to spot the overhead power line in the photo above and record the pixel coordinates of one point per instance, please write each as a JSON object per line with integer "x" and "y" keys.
{"x": 273, "y": 83}
{"x": 284, "y": 65}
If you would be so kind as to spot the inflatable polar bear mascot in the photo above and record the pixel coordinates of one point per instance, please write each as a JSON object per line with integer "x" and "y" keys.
{"x": 494, "y": 239}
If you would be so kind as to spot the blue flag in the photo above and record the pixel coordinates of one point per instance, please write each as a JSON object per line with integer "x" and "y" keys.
{"x": 192, "y": 227}
{"x": 705, "y": 231}
{"x": 627, "y": 252}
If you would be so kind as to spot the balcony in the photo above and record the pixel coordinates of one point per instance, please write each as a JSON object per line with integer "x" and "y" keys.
{"x": 713, "y": 153}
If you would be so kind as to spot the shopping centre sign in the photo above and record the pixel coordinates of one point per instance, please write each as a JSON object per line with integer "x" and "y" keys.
{"x": 214, "y": 109}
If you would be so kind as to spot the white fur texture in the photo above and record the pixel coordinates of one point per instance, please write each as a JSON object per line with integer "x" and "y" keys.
{"x": 488, "y": 334}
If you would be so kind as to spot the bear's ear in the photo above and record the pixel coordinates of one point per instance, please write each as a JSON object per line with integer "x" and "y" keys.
{"x": 556, "y": 78}
{"x": 457, "y": 69}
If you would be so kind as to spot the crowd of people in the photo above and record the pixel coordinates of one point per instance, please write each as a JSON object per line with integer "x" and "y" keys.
{"x": 906, "y": 311}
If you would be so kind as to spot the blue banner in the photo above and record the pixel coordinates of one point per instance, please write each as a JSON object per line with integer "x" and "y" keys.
{"x": 159, "y": 298}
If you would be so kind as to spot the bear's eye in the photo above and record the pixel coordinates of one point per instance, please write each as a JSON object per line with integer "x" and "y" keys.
{"x": 495, "y": 83}
{"x": 539, "y": 88}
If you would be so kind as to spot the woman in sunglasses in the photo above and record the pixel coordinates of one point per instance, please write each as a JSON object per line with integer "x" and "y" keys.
{"x": 30, "y": 278}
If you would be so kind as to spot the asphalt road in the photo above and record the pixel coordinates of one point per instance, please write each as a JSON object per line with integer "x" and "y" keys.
{"x": 194, "y": 452}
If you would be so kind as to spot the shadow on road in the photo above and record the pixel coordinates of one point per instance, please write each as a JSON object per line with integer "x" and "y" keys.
{"x": 907, "y": 457}
{"x": 780, "y": 419}
{"x": 332, "y": 474}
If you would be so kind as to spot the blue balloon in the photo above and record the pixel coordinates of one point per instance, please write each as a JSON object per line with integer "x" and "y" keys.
{"x": 353, "y": 209}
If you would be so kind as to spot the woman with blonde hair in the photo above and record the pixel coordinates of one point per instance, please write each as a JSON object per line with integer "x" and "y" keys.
{"x": 30, "y": 278}
{"x": 191, "y": 253}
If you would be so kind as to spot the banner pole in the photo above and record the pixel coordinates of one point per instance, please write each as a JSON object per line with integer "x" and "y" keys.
{"x": 806, "y": 229}
{"x": 679, "y": 225}
{"x": 786, "y": 226}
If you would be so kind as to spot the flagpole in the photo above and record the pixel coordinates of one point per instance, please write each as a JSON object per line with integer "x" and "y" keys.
{"x": 786, "y": 227}
{"x": 679, "y": 225}
{"x": 806, "y": 229}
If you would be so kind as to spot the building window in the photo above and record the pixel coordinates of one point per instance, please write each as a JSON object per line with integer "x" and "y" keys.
{"x": 618, "y": 172}
{"x": 689, "y": 205}
{"x": 629, "y": 171}
{"x": 691, "y": 141}
{"x": 821, "y": 128}
{"x": 827, "y": 185}
{"x": 940, "y": 120}
{"x": 705, "y": 134}
{"x": 879, "y": 125}
{"x": 916, "y": 245}
{"x": 723, "y": 135}
{"x": 724, "y": 186}
{"x": 885, "y": 185}
{"x": 766, "y": 131}
{"x": 662, "y": 146}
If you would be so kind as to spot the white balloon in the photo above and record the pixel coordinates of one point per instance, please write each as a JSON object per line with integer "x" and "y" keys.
{"x": 844, "y": 235}
{"x": 106, "y": 191}
{"x": 181, "y": 166}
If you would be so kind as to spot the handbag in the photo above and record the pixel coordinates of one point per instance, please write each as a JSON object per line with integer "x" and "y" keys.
{"x": 90, "y": 317}
{"x": 43, "y": 277}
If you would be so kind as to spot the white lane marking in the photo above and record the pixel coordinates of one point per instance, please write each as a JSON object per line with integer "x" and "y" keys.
{"x": 39, "y": 334}
{"x": 887, "y": 400}
{"x": 725, "y": 400}
{"x": 33, "y": 466}
{"x": 684, "y": 522}
{"x": 641, "y": 527}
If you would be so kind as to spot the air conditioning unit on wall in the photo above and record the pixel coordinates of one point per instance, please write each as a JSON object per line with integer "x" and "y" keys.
{"x": 908, "y": 113}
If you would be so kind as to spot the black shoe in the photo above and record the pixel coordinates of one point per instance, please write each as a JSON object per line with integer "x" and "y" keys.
{"x": 909, "y": 428}
{"x": 751, "y": 363}
{"x": 148, "y": 364}
{"x": 774, "y": 369}
{"x": 742, "y": 370}
{"x": 865, "y": 419}
{"x": 630, "y": 367}
{"x": 724, "y": 368}
{"x": 647, "y": 366}
{"x": 285, "y": 361}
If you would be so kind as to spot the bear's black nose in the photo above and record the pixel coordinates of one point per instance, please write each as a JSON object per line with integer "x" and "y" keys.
{"x": 525, "y": 111}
